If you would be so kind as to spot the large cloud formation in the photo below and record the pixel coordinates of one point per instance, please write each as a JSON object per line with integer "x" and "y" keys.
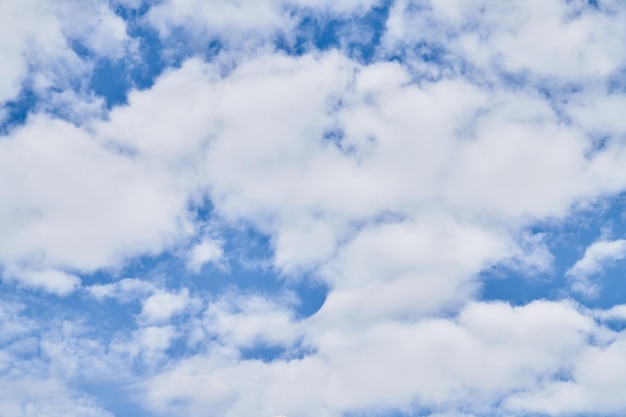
{"x": 394, "y": 181}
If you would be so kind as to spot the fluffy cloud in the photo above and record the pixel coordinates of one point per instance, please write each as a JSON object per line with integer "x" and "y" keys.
{"x": 84, "y": 208}
{"x": 206, "y": 251}
{"x": 479, "y": 358}
{"x": 476, "y": 153}
{"x": 161, "y": 306}
{"x": 44, "y": 55}
{"x": 393, "y": 182}
{"x": 558, "y": 40}
{"x": 596, "y": 257}
{"x": 245, "y": 23}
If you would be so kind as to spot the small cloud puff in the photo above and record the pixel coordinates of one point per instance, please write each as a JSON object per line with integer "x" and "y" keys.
{"x": 124, "y": 291}
{"x": 162, "y": 305}
{"x": 51, "y": 280}
{"x": 205, "y": 252}
{"x": 597, "y": 256}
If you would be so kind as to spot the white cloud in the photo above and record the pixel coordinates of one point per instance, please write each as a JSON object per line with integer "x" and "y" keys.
{"x": 163, "y": 305}
{"x": 593, "y": 387}
{"x": 597, "y": 256}
{"x": 206, "y": 251}
{"x": 395, "y": 191}
{"x": 245, "y": 23}
{"x": 150, "y": 343}
{"x": 487, "y": 353}
{"x": 476, "y": 153}
{"x": 30, "y": 397}
{"x": 566, "y": 41}
{"x": 617, "y": 312}
{"x": 85, "y": 206}
{"x": 42, "y": 36}
{"x": 51, "y": 280}
{"x": 247, "y": 320}
{"x": 485, "y": 164}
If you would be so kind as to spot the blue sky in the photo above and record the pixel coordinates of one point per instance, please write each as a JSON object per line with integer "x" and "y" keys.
{"x": 282, "y": 208}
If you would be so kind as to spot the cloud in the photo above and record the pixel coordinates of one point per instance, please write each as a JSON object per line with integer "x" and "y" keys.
{"x": 245, "y": 24}
{"x": 489, "y": 353}
{"x": 617, "y": 312}
{"x": 597, "y": 256}
{"x": 85, "y": 207}
{"x": 124, "y": 290}
{"x": 395, "y": 182}
{"x": 161, "y": 306}
{"x": 47, "y": 398}
{"x": 42, "y": 56}
{"x": 30, "y": 384}
{"x": 562, "y": 41}
{"x": 484, "y": 160}
{"x": 206, "y": 251}
{"x": 242, "y": 320}
{"x": 51, "y": 280}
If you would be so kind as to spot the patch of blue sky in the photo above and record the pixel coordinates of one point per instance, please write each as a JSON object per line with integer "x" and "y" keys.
{"x": 415, "y": 410}
{"x": 357, "y": 35}
{"x": 265, "y": 353}
{"x": 113, "y": 79}
{"x": 594, "y": 3}
{"x": 150, "y": 63}
{"x": 118, "y": 399}
{"x": 617, "y": 81}
{"x": 558, "y": 97}
{"x": 567, "y": 241}
{"x": 616, "y": 325}
{"x": 114, "y": 398}
{"x": 131, "y": 13}
{"x": 248, "y": 254}
{"x": 109, "y": 79}
{"x": 17, "y": 111}
{"x": 101, "y": 319}
{"x": 335, "y": 137}
{"x": 108, "y": 314}
{"x": 430, "y": 61}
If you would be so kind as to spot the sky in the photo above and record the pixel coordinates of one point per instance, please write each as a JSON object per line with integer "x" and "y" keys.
{"x": 312, "y": 208}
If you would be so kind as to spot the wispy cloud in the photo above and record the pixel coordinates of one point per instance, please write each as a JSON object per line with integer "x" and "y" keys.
{"x": 596, "y": 258}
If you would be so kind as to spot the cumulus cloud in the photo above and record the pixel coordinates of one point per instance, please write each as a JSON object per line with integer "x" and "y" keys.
{"x": 596, "y": 257}
{"x": 205, "y": 252}
{"x": 563, "y": 41}
{"x": 245, "y": 23}
{"x": 247, "y": 320}
{"x": 162, "y": 305}
{"x": 394, "y": 182}
{"x": 43, "y": 56}
{"x": 478, "y": 360}
{"x": 85, "y": 207}
{"x": 51, "y": 280}
{"x": 282, "y": 185}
